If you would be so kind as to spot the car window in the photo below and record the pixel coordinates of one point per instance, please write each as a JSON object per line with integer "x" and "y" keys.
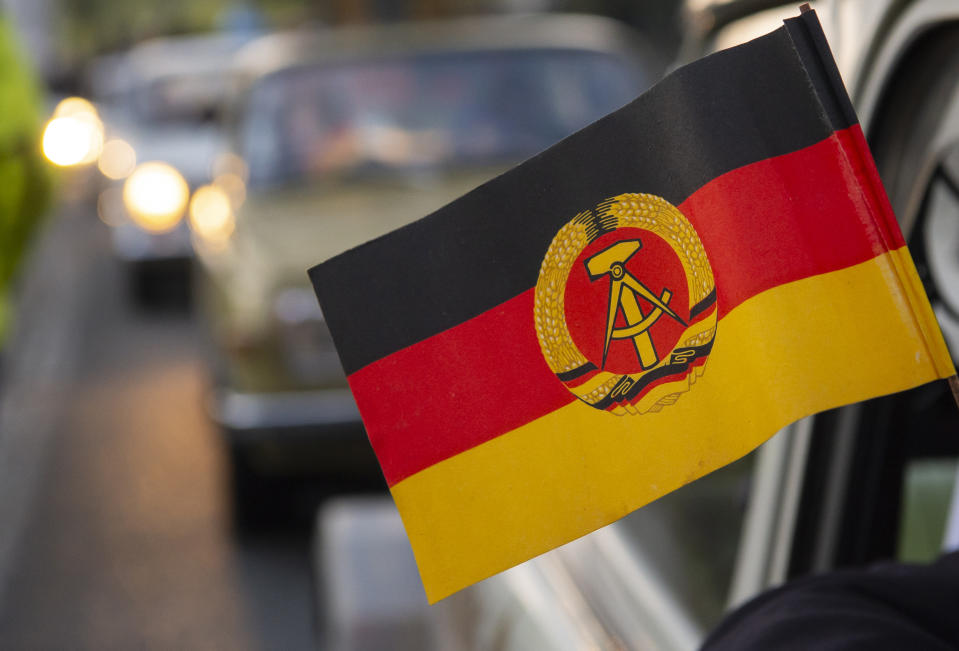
{"x": 426, "y": 111}
{"x": 927, "y": 497}
{"x": 928, "y": 482}
{"x": 691, "y": 536}
{"x": 184, "y": 99}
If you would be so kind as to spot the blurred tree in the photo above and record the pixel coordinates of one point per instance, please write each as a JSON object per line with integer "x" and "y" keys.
{"x": 95, "y": 26}
{"x": 24, "y": 176}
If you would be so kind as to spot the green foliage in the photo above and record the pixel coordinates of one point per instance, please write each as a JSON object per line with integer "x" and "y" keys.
{"x": 91, "y": 27}
{"x": 24, "y": 176}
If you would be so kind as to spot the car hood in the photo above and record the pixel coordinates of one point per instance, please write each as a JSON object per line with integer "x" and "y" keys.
{"x": 294, "y": 229}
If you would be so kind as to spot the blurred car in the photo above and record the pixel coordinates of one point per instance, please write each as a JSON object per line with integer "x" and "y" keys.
{"x": 870, "y": 482}
{"x": 346, "y": 135}
{"x": 160, "y": 103}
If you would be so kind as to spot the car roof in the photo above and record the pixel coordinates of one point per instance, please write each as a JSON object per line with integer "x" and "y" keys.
{"x": 284, "y": 50}
{"x": 185, "y": 55}
{"x": 704, "y": 17}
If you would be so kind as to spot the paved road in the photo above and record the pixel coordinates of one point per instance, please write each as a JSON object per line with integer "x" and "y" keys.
{"x": 112, "y": 496}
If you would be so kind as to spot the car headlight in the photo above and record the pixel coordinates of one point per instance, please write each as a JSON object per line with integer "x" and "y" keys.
{"x": 155, "y": 195}
{"x": 74, "y": 135}
{"x": 211, "y": 214}
{"x": 117, "y": 159}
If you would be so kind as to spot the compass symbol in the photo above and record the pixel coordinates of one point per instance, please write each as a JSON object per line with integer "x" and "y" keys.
{"x": 623, "y": 289}
{"x": 656, "y": 359}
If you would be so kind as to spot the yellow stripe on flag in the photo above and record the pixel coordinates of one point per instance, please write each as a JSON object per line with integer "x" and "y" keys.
{"x": 789, "y": 352}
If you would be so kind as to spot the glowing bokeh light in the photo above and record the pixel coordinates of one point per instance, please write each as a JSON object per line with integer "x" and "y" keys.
{"x": 155, "y": 195}
{"x": 74, "y": 135}
{"x": 117, "y": 159}
{"x": 75, "y": 106}
{"x": 110, "y": 207}
{"x": 211, "y": 215}
{"x": 72, "y": 140}
{"x": 230, "y": 163}
{"x": 234, "y": 186}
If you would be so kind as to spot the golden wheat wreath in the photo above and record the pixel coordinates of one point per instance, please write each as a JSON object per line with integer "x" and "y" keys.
{"x": 629, "y": 393}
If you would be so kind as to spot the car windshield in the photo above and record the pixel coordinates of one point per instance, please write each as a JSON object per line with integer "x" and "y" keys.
{"x": 186, "y": 99}
{"x": 427, "y": 111}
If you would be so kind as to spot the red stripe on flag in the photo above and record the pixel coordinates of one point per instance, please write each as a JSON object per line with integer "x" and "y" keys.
{"x": 789, "y": 217}
{"x": 865, "y": 169}
{"x": 457, "y": 389}
{"x": 762, "y": 225}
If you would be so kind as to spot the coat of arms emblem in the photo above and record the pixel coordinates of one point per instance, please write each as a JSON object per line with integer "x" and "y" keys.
{"x": 625, "y": 307}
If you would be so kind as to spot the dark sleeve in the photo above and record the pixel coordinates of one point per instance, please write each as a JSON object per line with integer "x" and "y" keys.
{"x": 888, "y": 606}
